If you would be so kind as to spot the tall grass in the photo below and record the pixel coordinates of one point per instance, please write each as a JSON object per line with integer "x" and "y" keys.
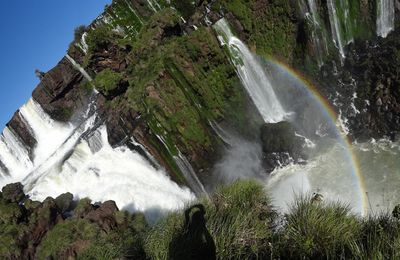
{"x": 239, "y": 219}
{"x": 318, "y": 230}
{"x": 243, "y": 225}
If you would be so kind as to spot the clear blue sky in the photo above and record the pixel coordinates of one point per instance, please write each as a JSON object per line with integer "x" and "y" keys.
{"x": 35, "y": 34}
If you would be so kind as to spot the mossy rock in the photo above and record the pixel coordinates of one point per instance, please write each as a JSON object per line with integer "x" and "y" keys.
{"x": 13, "y": 192}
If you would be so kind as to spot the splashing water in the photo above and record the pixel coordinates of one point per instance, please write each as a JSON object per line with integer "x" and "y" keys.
{"x": 79, "y": 159}
{"x": 117, "y": 174}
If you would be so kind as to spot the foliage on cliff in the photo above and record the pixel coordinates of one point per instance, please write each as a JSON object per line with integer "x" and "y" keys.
{"x": 269, "y": 27}
{"x": 177, "y": 81}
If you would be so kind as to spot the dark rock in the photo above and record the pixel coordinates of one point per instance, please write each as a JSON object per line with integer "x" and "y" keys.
{"x": 280, "y": 145}
{"x": 104, "y": 215}
{"x": 13, "y": 192}
{"x": 64, "y": 202}
{"x": 278, "y": 137}
{"x": 60, "y": 92}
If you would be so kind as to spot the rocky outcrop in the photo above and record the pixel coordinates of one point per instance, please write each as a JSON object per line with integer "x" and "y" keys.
{"x": 367, "y": 88}
{"x": 31, "y": 230}
{"x": 59, "y": 92}
{"x": 22, "y": 131}
{"x": 280, "y": 145}
{"x": 13, "y": 193}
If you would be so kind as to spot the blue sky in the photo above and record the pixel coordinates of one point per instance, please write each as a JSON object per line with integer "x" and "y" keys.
{"x": 35, "y": 34}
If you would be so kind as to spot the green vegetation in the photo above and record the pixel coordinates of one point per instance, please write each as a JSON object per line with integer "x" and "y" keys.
{"x": 63, "y": 237}
{"x": 107, "y": 81}
{"x": 237, "y": 222}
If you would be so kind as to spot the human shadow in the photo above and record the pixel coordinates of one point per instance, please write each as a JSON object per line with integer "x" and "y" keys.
{"x": 194, "y": 241}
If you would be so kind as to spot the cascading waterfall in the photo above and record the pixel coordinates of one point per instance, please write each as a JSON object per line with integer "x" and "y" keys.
{"x": 13, "y": 155}
{"x": 79, "y": 68}
{"x": 318, "y": 34}
{"x": 88, "y": 166}
{"x": 337, "y": 35}
{"x": 190, "y": 175}
{"x": 77, "y": 158}
{"x": 48, "y": 133}
{"x": 252, "y": 75}
{"x": 385, "y": 17}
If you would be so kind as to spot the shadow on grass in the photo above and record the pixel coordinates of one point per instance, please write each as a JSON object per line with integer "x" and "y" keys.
{"x": 195, "y": 241}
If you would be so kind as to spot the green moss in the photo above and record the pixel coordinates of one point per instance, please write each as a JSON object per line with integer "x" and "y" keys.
{"x": 64, "y": 235}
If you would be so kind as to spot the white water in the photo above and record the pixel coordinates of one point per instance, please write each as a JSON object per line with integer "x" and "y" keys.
{"x": 385, "y": 17}
{"x": 327, "y": 174}
{"x": 48, "y": 133}
{"x": 13, "y": 154}
{"x": 117, "y": 174}
{"x": 79, "y": 159}
{"x": 252, "y": 75}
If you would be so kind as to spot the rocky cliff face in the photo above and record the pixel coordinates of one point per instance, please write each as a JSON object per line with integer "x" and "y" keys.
{"x": 163, "y": 79}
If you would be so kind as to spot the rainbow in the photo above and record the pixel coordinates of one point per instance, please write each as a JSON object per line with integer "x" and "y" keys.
{"x": 333, "y": 116}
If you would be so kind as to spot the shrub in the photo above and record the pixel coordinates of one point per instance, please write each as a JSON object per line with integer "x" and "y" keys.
{"x": 379, "y": 238}
{"x": 100, "y": 38}
{"x": 185, "y": 7}
{"x": 107, "y": 81}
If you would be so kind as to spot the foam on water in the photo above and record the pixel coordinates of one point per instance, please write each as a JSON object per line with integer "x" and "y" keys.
{"x": 48, "y": 133}
{"x": 117, "y": 174}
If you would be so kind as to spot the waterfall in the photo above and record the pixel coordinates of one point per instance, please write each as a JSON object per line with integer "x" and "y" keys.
{"x": 79, "y": 68}
{"x": 252, "y": 75}
{"x": 337, "y": 35}
{"x": 87, "y": 166}
{"x": 154, "y": 5}
{"x": 385, "y": 17}
{"x": 14, "y": 156}
{"x": 318, "y": 34}
{"x": 190, "y": 175}
{"x": 48, "y": 133}
{"x": 78, "y": 158}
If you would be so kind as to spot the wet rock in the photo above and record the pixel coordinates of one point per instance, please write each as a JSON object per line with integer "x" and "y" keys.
{"x": 21, "y": 130}
{"x": 280, "y": 145}
{"x": 279, "y": 137}
{"x": 13, "y": 192}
